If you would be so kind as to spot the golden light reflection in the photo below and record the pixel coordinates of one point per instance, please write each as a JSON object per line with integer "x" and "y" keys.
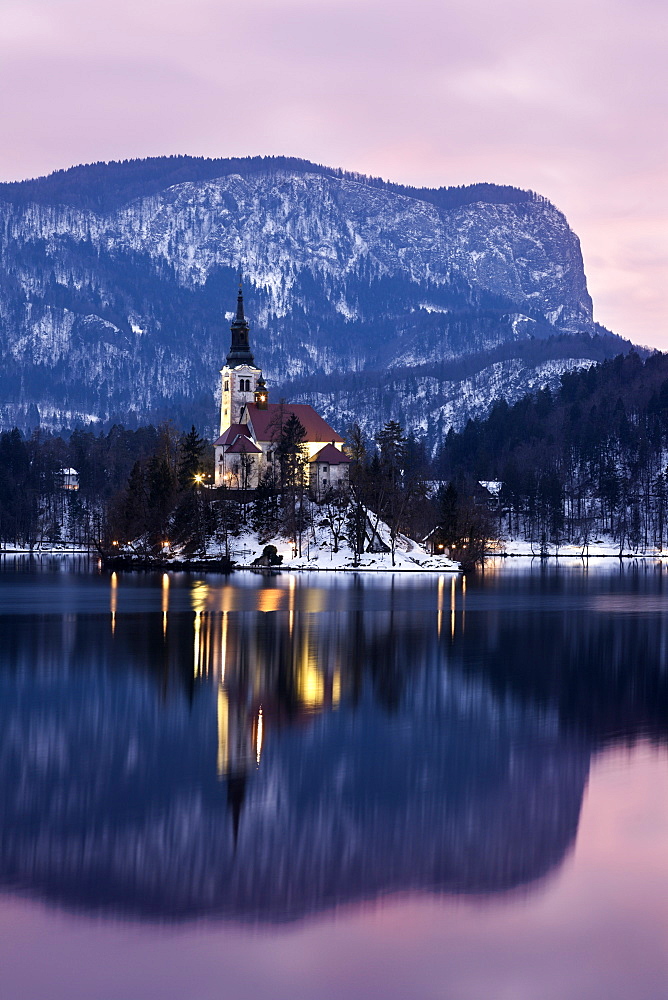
{"x": 199, "y": 595}
{"x": 453, "y": 606}
{"x": 223, "y": 712}
{"x": 439, "y": 617}
{"x": 310, "y": 682}
{"x": 463, "y": 605}
{"x": 223, "y": 647}
{"x": 336, "y": 688}
{"x": 292, "y": 583}
{"x": 228, "y": 596}
{"x": 207, "y": 643}
{"x": 259, "y": 733}
{"x": 314, "y": 600}
{"x": 113, "y": 600}
{"x": 196, "y": 658}
{"x": 165, "y": 601}
{"x": 270, "y": 599}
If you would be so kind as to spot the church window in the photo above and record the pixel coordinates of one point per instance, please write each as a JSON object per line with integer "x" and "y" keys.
{"x": 227, "y": 385}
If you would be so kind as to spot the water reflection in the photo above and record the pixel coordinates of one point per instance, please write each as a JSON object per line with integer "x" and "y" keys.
{"x": 265, "y": 752}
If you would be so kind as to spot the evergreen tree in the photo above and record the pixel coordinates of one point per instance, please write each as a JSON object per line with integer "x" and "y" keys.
{"x": 265, "y": 513}
{"x": 191, "y": 448}
{"x": 161, "y": 491}
{"x": 134, "y": 515}
{"x": 291, "y": 456}
{"x": 392, "y": 445}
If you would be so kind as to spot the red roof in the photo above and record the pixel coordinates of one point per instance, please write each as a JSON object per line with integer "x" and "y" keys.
{"x": 332, "y": 455}
{"x": 243, "y": 446}
{"x": 232, "y": 432}
{"x": 265, "y": 422}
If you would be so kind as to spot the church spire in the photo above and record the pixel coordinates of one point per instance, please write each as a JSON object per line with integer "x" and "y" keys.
{"x": 240, "y": 352}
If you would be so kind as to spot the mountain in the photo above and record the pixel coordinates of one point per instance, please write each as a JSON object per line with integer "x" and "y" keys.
{"x": 368, "y": 299}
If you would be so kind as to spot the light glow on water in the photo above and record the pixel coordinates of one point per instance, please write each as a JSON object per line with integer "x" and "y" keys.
{"x": 322, "y": 793}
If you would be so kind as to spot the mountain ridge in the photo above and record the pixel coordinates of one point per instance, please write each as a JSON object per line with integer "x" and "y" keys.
{"x": 123, "y": 311}
{"x": 145, "y": 176}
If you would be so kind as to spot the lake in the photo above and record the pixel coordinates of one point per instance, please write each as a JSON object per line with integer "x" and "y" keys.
{"x": 317, "y": 787}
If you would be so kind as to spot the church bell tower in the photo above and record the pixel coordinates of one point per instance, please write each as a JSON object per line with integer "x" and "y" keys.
{"x": 239, "y": 377}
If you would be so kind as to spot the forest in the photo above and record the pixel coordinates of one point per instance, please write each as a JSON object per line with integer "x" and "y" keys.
{"x": 146, "y": 489}
{"x": 105, "y": 187}
{"x": 589, "y": 461}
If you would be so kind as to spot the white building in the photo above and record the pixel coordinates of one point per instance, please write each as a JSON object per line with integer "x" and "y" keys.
{"x": 250, "y": 426}
{"x": 69, "y": 479}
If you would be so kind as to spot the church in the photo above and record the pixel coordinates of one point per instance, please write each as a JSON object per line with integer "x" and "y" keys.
{"x": 250, "y": 426}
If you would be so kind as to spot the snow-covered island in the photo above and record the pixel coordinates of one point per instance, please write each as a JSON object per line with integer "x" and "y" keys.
{"x": 283, "y": 495}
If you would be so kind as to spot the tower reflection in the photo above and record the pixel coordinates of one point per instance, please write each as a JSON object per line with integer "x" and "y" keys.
{"x": 268, "y": 753}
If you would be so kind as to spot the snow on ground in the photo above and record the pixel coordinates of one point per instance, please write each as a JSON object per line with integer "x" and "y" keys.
{"x": 322, "y": 556}
{"x": 317, "y": 553}
{"x": 46, "y": 549}
{"x": 602, "y": 546}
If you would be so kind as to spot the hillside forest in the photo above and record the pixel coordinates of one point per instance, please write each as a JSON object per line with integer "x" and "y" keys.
{"x": 586, "y": 462}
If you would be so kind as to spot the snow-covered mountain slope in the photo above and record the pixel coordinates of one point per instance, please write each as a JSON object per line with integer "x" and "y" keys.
{"x": 122, "y": 311}
{"x": 429, "y": 405}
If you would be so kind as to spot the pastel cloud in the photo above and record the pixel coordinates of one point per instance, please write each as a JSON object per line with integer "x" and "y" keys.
{"x": 566, "y": 99}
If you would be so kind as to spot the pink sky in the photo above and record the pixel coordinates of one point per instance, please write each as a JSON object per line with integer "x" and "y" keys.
{"x": 565, "y": 98}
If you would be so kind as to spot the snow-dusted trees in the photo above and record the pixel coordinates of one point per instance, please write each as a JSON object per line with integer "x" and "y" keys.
{"x": 587, "y": 462}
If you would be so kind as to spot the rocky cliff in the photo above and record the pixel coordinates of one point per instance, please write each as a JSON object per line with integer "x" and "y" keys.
{"x": 113, "y": 305}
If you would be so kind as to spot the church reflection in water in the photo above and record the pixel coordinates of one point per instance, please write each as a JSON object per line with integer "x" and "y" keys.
{"x": 264, "y": 755}
{"x": 264, "y": 677}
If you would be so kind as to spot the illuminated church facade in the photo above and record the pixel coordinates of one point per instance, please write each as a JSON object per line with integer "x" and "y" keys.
{"x": 250, "y": 426}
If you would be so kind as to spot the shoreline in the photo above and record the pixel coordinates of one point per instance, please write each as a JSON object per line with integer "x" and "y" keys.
{"x": 568, "y": 553}
{"x": 221, "y": 564}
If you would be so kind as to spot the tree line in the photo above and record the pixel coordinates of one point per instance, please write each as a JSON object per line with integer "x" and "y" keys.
{"x": 106, "y": 186}
{"x": 151, "y": 488}
{"x": 588, "y": 460}
{"x": 169, "y": 501}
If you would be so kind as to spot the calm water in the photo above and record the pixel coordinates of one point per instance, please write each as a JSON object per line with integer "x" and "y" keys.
{"x": 311, "y": 788}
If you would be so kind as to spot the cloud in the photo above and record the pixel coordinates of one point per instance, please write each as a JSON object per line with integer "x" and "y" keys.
{"x": 565, "y": 99}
